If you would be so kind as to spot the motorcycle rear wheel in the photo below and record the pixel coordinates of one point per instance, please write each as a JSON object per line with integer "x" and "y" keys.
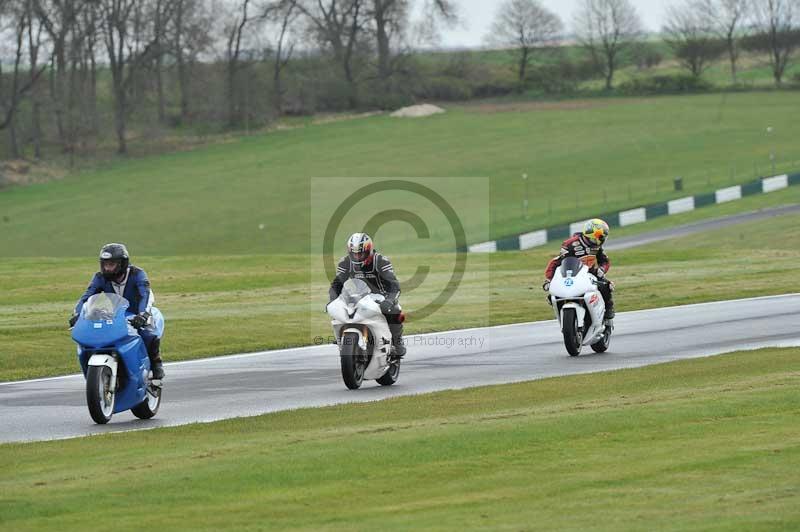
{"x": 602, "y": 345}
{"x": 391, "y": 375}
{"x": 149, "y": 407}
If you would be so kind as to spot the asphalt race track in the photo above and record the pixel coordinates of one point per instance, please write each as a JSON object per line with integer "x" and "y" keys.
{"x": 650, "y": 237}
{"x": 246, "y": 385}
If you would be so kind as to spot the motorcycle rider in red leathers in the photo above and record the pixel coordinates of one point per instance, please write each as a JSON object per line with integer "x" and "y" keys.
{"x": 588, "y": 242}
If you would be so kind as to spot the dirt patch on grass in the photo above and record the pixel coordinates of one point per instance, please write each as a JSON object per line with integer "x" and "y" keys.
{"x": 22, "y": 172}
{"x": 418, "y": 111}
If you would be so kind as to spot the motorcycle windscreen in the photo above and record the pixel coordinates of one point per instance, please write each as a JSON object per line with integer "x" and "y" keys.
{"x": 102, "y": 322}
{"x": 570, "y": 266}
{"x": 353, "y": 291}
{"x": 103, "y": 306}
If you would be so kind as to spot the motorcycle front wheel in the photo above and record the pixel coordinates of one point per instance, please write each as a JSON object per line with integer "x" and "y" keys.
{"x": 352, "y": 365}
{"x": 573, "y": 336}
{"x": 100, "y": 393}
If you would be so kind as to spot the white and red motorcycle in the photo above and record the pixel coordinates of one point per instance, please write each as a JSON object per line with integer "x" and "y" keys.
{"x": 579, "y": 306}
{"x": 363, "y": 335}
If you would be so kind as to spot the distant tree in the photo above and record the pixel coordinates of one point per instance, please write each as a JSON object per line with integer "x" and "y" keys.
{"x": 60, "y": 19}
{"x": 17, "y": 18}
{"x": 692, "y": 41}
{"x": 189, "y": 36}
{"x": 726, "y": 19}
{"x": 645, "y": 55}
{"x": 776, "y": 33}
{"x": 162, "y": 11}
{"x": 91, "y": 25}
{"x": 128, "y": 50}
{"x": 282, "y": 14}
{"x": 338, "y": 26}
{"x": 606, "y": 28}
{"x": 526, "y": 26}
{"x": 389, "y": 19}
{"x": 235, "y": 32}
{"x": 35, "y": 37}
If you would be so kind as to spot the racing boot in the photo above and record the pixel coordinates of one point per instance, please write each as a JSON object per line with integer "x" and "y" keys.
{"x": 397, "y": 340}
{"x": 609, "y": 308}
{"x": 154, "y": 353}
{"x": 606, "y": 289}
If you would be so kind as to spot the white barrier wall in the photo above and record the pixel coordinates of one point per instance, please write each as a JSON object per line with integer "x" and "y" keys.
{"x": 680, "y": 205}
{"x": 486, "y": 247}
{"x": 639, "y": 215}
{"x": 576, "y": 227}
{"x": 728, "y": 194}
{"x": 771, "y": 184}
{"x": 532, "y": 240}
{"x": 633, "y": 216}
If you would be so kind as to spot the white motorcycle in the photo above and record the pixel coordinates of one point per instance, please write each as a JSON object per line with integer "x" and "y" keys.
{"x": 363, "y": 335}
{"x": 579, "y": 307}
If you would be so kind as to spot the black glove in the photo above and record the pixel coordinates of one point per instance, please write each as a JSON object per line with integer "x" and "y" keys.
{"x": 387, "y": 306}
{"x": 140, "y": 320}
{"x": 73, "y": 320}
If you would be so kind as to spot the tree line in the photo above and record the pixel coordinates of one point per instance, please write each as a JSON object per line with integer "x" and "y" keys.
{"x": 77, "y": 70}
{"x": 167, "y": 50}
{"x": 698, "y": 32}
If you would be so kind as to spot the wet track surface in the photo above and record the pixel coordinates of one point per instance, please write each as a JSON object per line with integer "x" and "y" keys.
{"x": 245, "y": 385}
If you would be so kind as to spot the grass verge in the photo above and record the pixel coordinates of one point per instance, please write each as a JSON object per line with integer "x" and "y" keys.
{"x": 699, "y": 444}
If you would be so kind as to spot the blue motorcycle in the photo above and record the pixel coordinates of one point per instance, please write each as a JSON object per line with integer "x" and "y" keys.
{"x": 114, "y": 359}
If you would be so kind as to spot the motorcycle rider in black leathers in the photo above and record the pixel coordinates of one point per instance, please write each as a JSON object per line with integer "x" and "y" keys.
{"x": 363, "y": 262}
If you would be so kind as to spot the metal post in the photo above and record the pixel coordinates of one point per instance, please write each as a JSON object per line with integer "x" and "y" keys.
{"x": 771, "y": 148}
{"x": 525, "y": 201}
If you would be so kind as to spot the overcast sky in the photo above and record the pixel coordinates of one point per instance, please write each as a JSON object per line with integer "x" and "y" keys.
{"x": 477, "y": 16}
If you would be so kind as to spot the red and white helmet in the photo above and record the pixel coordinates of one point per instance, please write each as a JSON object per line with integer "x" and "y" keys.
{"x": 360, "y": 248}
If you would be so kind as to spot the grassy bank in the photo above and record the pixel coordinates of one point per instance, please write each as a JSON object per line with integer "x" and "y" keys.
{"x": 253, "y": 195}
{"x": 701, "y": 444}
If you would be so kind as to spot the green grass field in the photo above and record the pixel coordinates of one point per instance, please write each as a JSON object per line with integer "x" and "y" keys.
{"x": 253, "y": 195}
{"x": 216, "y": 305}
{"x": 706, "y": 444}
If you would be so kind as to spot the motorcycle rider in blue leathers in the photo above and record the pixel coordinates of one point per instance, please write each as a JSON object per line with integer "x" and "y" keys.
{"x": 118, "y": 276}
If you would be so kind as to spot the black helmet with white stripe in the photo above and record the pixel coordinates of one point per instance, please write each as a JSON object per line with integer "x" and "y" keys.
{"x": 360, "y": 248}
{"x": 114, "y": 261}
